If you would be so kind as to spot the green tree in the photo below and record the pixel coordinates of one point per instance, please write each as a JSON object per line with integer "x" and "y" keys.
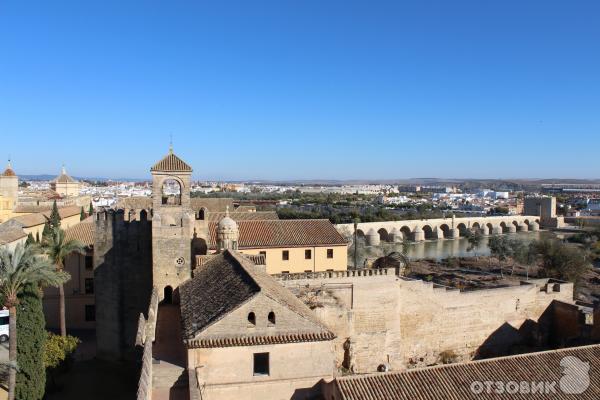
{"x": 57, "y": 247}
{"x": 526, "y": 256}
{"x": 46, "y": 232}
{"x": 19, "y": 268}
{"x": 30, "y": 239}
{"x": 31, "y": 377}
{"x": 561, "y": 261}
{"x": 82, "y": 215}
{"x": 54, "y": 219}
{"x": 474, "y": 238}
{"x": 58, "y": 349}
{"x": 91, "y": 209}
{"x": 499, "y": 248}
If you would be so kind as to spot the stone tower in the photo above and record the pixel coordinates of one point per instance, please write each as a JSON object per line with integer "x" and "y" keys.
{"x": 9, "y": 183}
{"x": 172, "y": 224}
{"x": 9, "y": 191}
{"x": 227, "y": 233}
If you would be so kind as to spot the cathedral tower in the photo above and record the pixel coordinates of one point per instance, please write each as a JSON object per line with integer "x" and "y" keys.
{"x": 172, "y": 224}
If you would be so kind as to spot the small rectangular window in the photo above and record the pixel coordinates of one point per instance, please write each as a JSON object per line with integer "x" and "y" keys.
{"x": 285, "y": 255}
{"x": 89, "y": 263}
{"x": 3, "y": 320}
{"x": 307, "y": 254}
{"x": 89, "y": 285}
{"x": 90, "y": 312}
{"x": 261, "y": 364}
{"x": 329, "y": 253}
{"x": 285, "y": 272}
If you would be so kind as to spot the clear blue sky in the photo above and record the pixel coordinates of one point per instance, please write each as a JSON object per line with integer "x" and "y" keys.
{"x": 303, "y": 89}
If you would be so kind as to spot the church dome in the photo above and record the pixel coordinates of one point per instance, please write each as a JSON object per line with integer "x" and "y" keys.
{"x": 227, "y": 223}
{"x": 9, "y": 171}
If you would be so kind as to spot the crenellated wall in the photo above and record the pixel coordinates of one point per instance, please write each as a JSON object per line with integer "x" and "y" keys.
{"x": 123, "y": 279}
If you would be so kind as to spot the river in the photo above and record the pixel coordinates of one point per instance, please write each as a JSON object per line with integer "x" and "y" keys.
{"x": 440, "y": 249}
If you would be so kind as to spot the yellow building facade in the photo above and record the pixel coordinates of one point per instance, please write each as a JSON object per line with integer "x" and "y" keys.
{"x": 64, "y": 185}
{"x": 288, "y": 246}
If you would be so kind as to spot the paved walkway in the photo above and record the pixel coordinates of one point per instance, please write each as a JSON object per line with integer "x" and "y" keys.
{"x": 170, "y": 381}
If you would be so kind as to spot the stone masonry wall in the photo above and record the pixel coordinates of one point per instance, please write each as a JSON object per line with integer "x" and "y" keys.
{"x": 122, "y": 278}
{"x": 401, "y": 323}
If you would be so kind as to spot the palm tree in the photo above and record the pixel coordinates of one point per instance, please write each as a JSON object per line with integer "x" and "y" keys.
{"x": 19, "y": 268}
{"x": 57, "y": 247}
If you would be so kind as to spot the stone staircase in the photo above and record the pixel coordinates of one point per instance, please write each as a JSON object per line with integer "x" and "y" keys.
{"x": 170, "y": 378}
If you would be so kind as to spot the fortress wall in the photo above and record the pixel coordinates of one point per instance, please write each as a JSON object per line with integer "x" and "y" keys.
{"x": 407, "y": 323}
{"x": 436, "y": 320}
{"x": 364, "y": 309}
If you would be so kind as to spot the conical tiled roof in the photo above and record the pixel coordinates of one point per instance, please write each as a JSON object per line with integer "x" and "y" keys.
{"x": 171, "y": 163}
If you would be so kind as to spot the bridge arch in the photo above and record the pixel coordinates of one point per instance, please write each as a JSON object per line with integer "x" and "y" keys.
{"x": 475, "y": 227}
{"x": 383, "y": 235}
{"x": 406, "y": 232}
{"x": 360, "y": 233}
{"x": 445, "y": 230}
{"x": 504, "y": 227}
{"x": 489, "y": 227}
{"x": 428, "y": 231}
{"x": 462, "y": 229}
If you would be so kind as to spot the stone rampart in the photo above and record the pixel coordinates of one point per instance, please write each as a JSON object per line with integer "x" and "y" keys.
{"x": 383, "y": 320}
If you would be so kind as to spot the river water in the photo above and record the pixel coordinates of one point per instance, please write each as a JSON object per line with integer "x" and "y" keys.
{"x": 440, "y": 249}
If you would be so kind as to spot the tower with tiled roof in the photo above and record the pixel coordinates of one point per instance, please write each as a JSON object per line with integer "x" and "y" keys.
{"x": 172, "y": 224}
{"x": 65, "y": 185}
{"x": 9, "y": 191}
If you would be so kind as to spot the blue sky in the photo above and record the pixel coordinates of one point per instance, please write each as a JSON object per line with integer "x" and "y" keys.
{"x": 303, "y": 89}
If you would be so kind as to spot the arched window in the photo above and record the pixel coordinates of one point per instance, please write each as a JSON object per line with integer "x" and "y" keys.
{"x": 171, "y": 193}
{"x": 251, "y": 320}
{"x": 202, "y": 214}
{"x": 168, "y": 295}
{"x": 143, "y": 215}
{"x": 271, "y": 318}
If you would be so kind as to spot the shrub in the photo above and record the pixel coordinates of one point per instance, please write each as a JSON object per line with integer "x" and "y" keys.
{"x": 58, "y": 349}
{"x": 448, "y": 357}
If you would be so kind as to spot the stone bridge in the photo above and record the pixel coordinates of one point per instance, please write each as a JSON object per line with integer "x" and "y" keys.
{"x": 440, "y": 228}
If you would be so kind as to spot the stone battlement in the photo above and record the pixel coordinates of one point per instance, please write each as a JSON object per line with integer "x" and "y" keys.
{"x": 337, "y": 274}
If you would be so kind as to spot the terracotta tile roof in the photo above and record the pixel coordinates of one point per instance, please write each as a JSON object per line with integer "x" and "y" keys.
{"x": 31, "y": 208}
{"x": 453, "y": 381}
{"x": 225, "y": 282}
{"x": 10, "y": 235}
{"x": 83, "y": 232}
{"x": 283, "y": 233}
{"x": 243, "y": 216}
{"x": 29, "y": 220}
{"x": 261, "y": 340}
{"x": 171, "y": 163}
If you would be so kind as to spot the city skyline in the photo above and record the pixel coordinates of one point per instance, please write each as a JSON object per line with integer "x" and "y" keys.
{"x": 309, "y": 91}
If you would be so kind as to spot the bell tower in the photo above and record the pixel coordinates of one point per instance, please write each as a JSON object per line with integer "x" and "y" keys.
{"x": 172, "y": 224}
